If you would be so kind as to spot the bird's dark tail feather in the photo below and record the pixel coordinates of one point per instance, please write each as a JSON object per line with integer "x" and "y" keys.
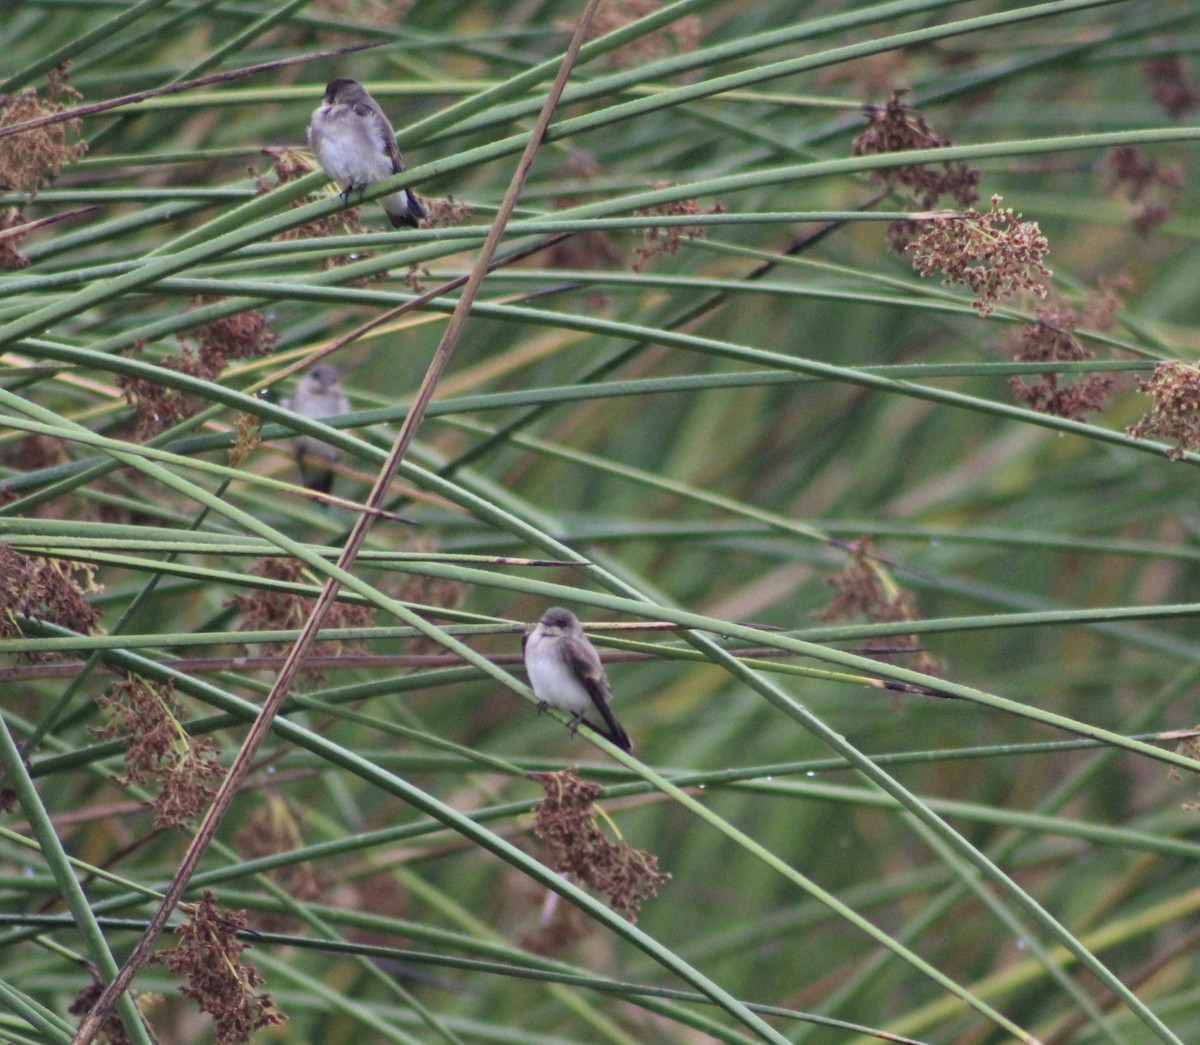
{"x": 411, "y": 216}
{"x": 612, "y": 732}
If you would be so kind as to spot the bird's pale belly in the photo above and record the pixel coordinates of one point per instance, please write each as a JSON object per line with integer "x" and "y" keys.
{"x": 350, "y": 156}
{"x": 557, "y": 685}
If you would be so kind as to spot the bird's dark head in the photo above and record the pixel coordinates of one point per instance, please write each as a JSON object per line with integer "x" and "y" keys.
{"x": 558, "y": 619}
{"x": 323, "y": 376}
{"x": 341, "y": 90}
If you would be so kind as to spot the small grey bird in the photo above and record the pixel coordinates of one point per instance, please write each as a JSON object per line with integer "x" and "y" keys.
{"x": 565, "y": 672}
{"x": 355, "y": 145}
{"x": 318, "y": 395}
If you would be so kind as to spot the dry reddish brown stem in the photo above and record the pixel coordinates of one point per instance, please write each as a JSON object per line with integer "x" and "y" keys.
{"x": 14, "y": 228}
{"x": 274, "y": 700}
{"x": 113, "y": 1030}
{"x": 566, "y": 822}
{"x": 157, "y": 750}
{"x": 174, "y": 88}
{"x": 208, "y": 958}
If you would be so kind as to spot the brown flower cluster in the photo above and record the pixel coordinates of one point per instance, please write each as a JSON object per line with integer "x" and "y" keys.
{"x": 429, "y": 592}
{"x": 244, "y": 335}
{"x": 446, "y": 212}
{"x": 273, "y": 828}
{"x": 1052, "y": 338}
{"x": 158, "y": 749}
{"x": 566, "y": 822}
{"x": 267, "y": 610}
{"x": 37, "y": 451}
{"x": 31, "y": 159}
{"x": 1189, "y": 747}
{"x": 1173, "y": 86}
{"x": 112, "y": 1030}
{"x": 1154, "y": 186}
{"x": 896, "y": 128}
{"x": 248, "y": 436}
{"x": 10, "y": 258}
{"x": 290, "y": 165}
{"x": 666, "y": 241}
{"x": 871, "y": 74}
{"x": 38, "y": 588}
{"x": 679, "y": 37}
{"x": 560, "y": 926}
{"x": 156, "y": 406}
{"x": 386, "y": 13}
{"x": 864, "y": 589}
{"x": 592, "y": 248}
{"x": 208, "y": 957}
{"x": 1174, "y": 389}
{"x": 996, "y": 255}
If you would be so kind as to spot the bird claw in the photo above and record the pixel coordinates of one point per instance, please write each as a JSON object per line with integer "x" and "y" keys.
{"x": 573, "y": 725}
{"x": 350, "y": 189}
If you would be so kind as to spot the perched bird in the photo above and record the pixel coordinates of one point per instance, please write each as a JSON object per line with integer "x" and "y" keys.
{"x": 355, "y": 145}
{"x": 565, "y": 672}
{"x": 318, "y": 395}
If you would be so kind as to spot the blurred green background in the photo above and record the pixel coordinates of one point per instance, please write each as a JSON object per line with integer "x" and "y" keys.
{"x": 708, "y": 437}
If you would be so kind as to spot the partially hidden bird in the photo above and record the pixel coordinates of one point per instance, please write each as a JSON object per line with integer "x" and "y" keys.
{"x": 355, "y": 145}
{"x": 318, "y": 395}
{"x": 565, "y": 672}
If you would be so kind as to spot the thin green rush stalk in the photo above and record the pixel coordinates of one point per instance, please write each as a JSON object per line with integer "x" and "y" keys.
{"x": 798, "y": 712}
{"x": 335, "y": 755}
{"x": 54, "y": 854}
